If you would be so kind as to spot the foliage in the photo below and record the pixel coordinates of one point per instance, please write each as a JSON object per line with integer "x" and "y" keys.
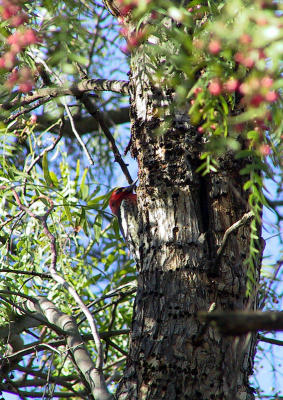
{"x": 227, "y": 75}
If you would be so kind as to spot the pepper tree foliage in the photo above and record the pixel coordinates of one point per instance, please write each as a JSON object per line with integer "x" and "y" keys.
{"x": 54, "y": 219}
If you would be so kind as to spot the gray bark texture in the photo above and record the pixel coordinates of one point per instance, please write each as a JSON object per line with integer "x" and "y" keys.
{"x": 183, "y": 217}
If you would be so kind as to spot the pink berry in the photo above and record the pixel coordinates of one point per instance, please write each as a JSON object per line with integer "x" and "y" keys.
{"x": 265, "y": 149}
{"x": 29, "y": 37}
{"x": 25, "y": 87}
{"x": 214, "y": 87}
{"x": 214, "y": 46}
{"x": 245, "y": 38}
{"x": 271, "y": 96}
{"x": 231, "y": 85}
{"x": 197, "y": 90}
{"x": 33, "y": 118}
{"x": 267, "y": 82}
{"x": 248, "y": 62}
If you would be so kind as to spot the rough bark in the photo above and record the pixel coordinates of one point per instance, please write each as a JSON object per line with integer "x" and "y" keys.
{"x": 183, "y": 217}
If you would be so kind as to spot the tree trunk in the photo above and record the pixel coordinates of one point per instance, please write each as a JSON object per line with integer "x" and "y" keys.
{"x": 183, "y": 217}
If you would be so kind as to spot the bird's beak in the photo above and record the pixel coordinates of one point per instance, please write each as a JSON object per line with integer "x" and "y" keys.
{"x": 132, "y": 186}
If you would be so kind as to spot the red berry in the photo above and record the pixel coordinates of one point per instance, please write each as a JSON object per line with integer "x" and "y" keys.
{"x": 256, "y": 100}
{"x": 197, "y": 90}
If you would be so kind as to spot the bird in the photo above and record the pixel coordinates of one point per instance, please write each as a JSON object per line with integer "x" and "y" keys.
{"x": 123, "y": 204}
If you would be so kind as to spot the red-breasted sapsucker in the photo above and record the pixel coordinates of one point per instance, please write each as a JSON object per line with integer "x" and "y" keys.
{"x": 123, "y": 204}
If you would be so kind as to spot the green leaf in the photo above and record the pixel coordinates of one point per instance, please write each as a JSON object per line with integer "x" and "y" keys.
{"x": 224, "y": 105}
{"x": 83, "y": 187}
{"x": 97, "y": 227}
{"x": 67, "y": 210}
{"x": 46, "y": 174}
{"x": 54, "y": 178}
{"x": 247, "y": 185}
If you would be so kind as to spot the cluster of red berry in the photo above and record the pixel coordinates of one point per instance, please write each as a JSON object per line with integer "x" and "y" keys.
{"x": 20, "y": 37}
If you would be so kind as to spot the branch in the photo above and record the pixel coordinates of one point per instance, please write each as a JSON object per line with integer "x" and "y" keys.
{"x": 31, "y": 317}
{"x": 8, "y": 389}
{"x": 74, "y": 90}
{"x": 241, "y": 322}
{"x": 87, "y": 124}
{"x": 28, "y": 322}
{"x": 245, "y": 218}
{"x": 27, "y": 110}
{"x": 32, "y": 273}
{"x": 64, "y": 322}
{"x": 270, "y": 340}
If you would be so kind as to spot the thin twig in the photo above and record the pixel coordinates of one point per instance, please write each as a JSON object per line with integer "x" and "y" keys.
{"x": 117, "y": 347}
{"x": 98, "y": 117}
{"x": 26, "y": 110}
{"x": 245, "y": 218}
{"x": 76, "y": 132}
{"x": 47, "y": 149}
{"x": 270, "y": 340}
{"x": 96, "y": 114}
{"x": 9, "y": 219}
{"x": 70, "y": 115}
{"x": 33, "y": 273}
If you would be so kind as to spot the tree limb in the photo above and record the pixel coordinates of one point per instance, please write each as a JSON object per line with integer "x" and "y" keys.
{"x": 74, "y": 90}
{"x": 93, "y": 376}
{"x": 241, "y": 322}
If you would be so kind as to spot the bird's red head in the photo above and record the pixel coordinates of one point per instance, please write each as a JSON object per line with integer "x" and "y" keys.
{"x": 120, "y": 194}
